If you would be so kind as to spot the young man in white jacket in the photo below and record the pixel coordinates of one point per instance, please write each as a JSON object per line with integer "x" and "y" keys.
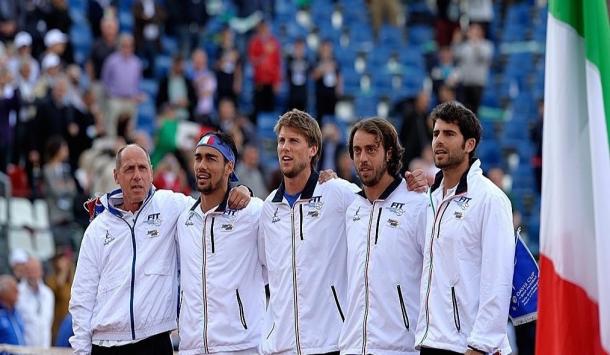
{"x": 385, "y": 242}
{"x": 470, "y": 246}
{"x": 125, "y": 293}
{"x": 303, "y": 229}
{"x": 222, "y": 300}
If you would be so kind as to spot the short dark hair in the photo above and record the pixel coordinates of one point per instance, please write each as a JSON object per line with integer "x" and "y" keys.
{"x": 387, "y": 137}
{"x": 466, "y": 120}
{"x": 306, "y": 125}
{"x": 54, "y": 144}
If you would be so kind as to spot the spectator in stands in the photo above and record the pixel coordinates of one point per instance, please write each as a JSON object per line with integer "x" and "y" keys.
{"x": 10, "y": 12}
{"x": 297, "y": 71}
{"x": 332, "y": 145}
{"x": 54, "y": 117}
{"x": 64, "y": 332}
{"x": 23, "y": 45}
{"x": 97, "y": 165}
{"x": 51, "y": 70}
{"x": 35, "y": 304}
{"x": 447, "y": 17}
{"x": 415, "y": 132}
{"x": 18, "y": 260}
{"x": 250, "y": 173}
{"x": 205, "y": 85}
{"x": 264, "y": 52}
{"x": 60, "y": 191}
{"x": 228, "y": 67}
{"x": 103, "y": 47}
{"x": 480, "y": 12}
{"x": 474, "y": 57}
{"x": 58, "y": 16}
{"x": 177, "y": 90}
{"x": 384, "y": 11}
{"x": 188, "y": 19}
{"x": 329, "y": 85}
{"x": 97, "y": 10}
{"x": 27, "y": 113}
{"x": 444, "y": 72}
{"x": 11, "y": 323}
{"x": 149, "y": 16}
{"x": 231, "y": 122}
{"x": 121, "y": 75}
{"x": 9, "y": 105}
{"x": 90, "y": 126}
{"x": 56, "y": 42}
{"x": 60, "y": 283}
{"x": 170, "y": 176}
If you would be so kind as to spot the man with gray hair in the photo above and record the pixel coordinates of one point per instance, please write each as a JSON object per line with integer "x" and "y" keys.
{"x": 125, "y": 290}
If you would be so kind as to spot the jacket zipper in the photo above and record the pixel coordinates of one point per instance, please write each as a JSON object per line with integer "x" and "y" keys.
{"x": 366, "y": 277}
{"x": 337, "y": 302}
{"x": 212, "y": 235}
{"x": 204, "y": 286}
{"x": 294, "y": 284}
{"x": 456, "y": 311}
{"x": 133, "y": 266}
{"x": 403, "y": 309}
{"x": 435, "y": 228}
{"x": 242, "y": 317}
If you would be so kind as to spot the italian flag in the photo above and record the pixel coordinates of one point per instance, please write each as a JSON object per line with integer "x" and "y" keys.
{"x": 574, "y": 300}
{"x": 175, "y": 135}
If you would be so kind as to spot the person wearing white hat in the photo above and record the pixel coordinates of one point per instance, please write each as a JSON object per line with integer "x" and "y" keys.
{"x": 23, "y": 53}
{"x": 57, "y": 42}
{"x": 51, "y": 69}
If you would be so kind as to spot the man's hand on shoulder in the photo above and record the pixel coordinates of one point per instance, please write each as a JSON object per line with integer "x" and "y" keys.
{"x": 239, "y": 197}
{"x": 326, "y": 175}
{"x": 416, "y": 180}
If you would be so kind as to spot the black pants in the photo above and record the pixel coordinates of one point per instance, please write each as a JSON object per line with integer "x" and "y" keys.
{"x": 159, "y": 344}
{"x": 432, "y": 351}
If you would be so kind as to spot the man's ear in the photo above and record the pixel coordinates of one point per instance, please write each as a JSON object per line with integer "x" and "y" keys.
{"x": 116, "y": 178}
{"x": 470, "y": 144}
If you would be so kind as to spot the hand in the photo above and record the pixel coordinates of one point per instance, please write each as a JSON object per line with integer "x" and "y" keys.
{"x": 239, "y": 197}
{"x": 416, "y": 181}
{"x": 326, "y": 175}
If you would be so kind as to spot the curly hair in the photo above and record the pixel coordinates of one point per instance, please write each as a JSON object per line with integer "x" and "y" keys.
{"x": 386, "y": 135}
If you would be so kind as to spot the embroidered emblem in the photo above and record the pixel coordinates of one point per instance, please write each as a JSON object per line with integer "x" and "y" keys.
{"x": 393, "y": 223}
{"x": 396, "y": 208}
{"x": 227, "y": 227}
{"x": 315, "y": 202}
{"x": 153, "y": 233}
{"x": 188, "y": 221}
{"x": 313, "y": 214}
{"x": 275, "y": 218}
{"x": 153, "y": 219}
{"x": 458, "y": 215}
{"x": 463, "y": 202}
{"x": 356, "y": 216}
{"x": 108, "y": 238}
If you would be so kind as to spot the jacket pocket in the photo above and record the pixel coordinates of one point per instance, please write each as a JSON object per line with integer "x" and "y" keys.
{"x": 242, "y": 317}
{"x": 456, "y": 311}
{"x": 403, "y": 309}
{"x": 337, "y": 303}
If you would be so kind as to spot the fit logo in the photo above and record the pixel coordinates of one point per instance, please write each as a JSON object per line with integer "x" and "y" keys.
{"x": 154, "y": 219}
{"x": 315, "y": 202}
{"x": 397, "y": 208}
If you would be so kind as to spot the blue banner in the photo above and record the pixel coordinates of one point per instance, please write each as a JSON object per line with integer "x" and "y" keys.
{"x": 524, "y": 299}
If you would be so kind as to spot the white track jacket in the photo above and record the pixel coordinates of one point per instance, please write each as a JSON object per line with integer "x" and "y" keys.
{"x": 305, "y": 257}
{"x": 222, "y": 301}
{"x": 468, "y": 267}
{"x": 385, "y": 243}
{"x": 126, "y": 281}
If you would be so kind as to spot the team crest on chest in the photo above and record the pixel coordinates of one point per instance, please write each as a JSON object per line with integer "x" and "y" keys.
{"x": 356, "y": 216}
{"x": 463, "y": 202}
{"x": 397, "y": 208}
{"x": 153, "y": 219}
{"x": 315, "y": 202}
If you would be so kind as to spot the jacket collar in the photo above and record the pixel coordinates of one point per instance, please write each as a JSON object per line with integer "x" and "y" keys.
{"x": 474, "y": 164}
{"x": 118, "y": 194}
{"x": 388, "y": 190}
{"x": 307, "y": 192}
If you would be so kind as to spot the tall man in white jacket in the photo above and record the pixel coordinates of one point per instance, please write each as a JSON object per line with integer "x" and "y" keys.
{"x": 470, "y": 247}
{"x": 303, "y": 229}
{"x": 222, "y": 290}
{"x": 125, "y": 293}
{"x": 385, "y": 243}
